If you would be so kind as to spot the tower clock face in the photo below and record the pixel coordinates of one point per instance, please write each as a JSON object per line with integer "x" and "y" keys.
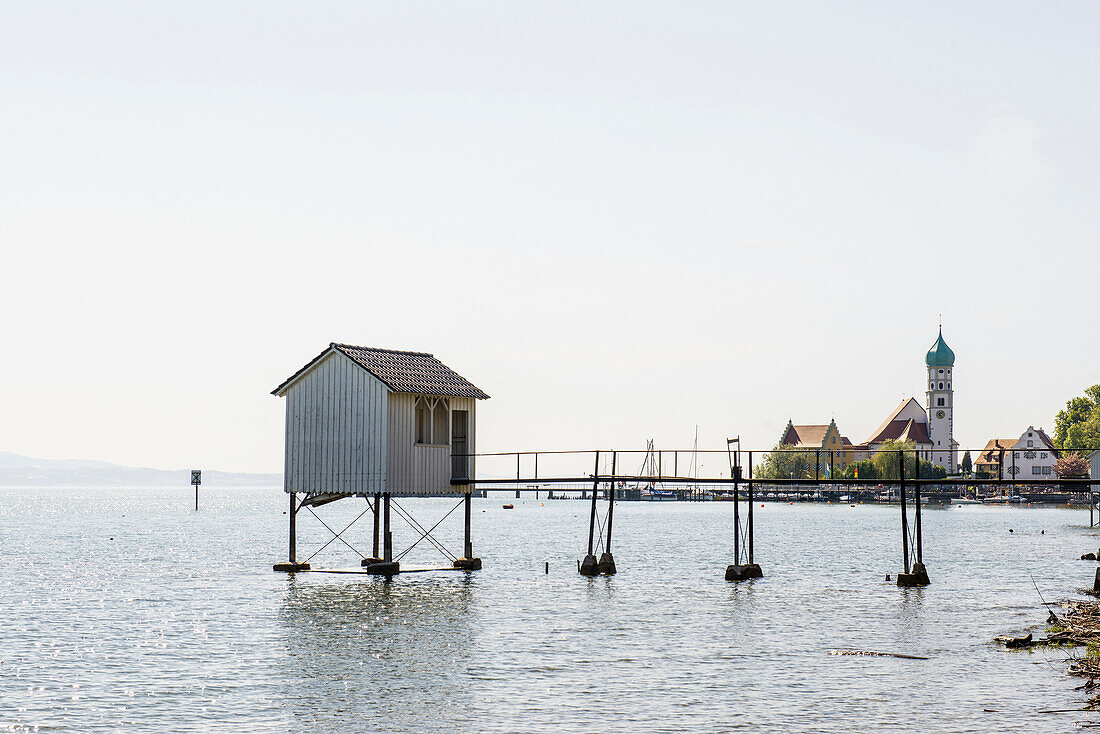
{"x": 940, "y": 414}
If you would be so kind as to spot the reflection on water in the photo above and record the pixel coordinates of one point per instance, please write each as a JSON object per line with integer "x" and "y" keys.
{"x": 388, "y": 649}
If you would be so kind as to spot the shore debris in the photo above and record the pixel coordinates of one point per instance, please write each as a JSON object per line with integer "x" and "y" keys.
{"x": 1013, "y": 643}
{"x": 874, "y": 654}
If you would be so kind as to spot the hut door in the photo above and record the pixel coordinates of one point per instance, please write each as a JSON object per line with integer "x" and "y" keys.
{"x": 460, "y": 421}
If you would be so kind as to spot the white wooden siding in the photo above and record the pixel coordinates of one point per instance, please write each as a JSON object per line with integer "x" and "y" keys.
{"x": 336, "y": 430}
{"x": 415, "y": 469}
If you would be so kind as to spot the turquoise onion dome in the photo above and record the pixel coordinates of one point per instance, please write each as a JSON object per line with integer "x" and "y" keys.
{"x": 940, "y": 355}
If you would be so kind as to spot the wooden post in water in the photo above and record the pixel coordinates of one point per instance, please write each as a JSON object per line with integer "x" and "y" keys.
{"x": 750, "y": 508}
{"x": 917, "y": 575}
{"x": 607, "y": 561}
{"x": 387, "y": 567}
{"x": 292, "y": 551}
{"x": 916, "y": 508}
{"x": 748, "y": 570}
{"x": 387, "y": 535}
{"x": 589, "y": 566}
{"x": 376, "y": 507}
{"x": 467, "y": 544}
{"x": 377, "y": 520}
{"x": 293, "y": 556}
{"x": 468, "y": 561}
{"x": 904, "y": 514}
{"x": 736, "y": 523}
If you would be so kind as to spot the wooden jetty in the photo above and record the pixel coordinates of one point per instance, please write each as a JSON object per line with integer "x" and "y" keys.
{"x": 382, "y": 425}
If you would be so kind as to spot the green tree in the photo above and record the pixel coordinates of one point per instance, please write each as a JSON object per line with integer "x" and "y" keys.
{"x": 1078, "y": 425}
{"x": 786, "y": 462}
{"x": 865, "y": 469}
{"x": 967, "y": 464}
{"x": 886, "y": 462}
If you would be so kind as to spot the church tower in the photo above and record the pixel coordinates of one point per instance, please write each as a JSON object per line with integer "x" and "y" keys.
{"x": 941, "y": 404}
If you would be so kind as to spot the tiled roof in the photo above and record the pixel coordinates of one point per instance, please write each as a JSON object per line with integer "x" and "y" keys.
{"x": 992, "y": 450}
{"x": 881, "y": 432}
{"x": 901, "y": 430}
{"x": 1047, "y": 440}
{"x": 415, "y": 372}
{"x": 804, "y": 435}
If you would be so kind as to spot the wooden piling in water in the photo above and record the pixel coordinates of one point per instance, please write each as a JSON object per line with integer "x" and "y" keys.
{"x": 589, "y": 566}
{"x": 607, "y": 561}
{"x": 293, "y": 555}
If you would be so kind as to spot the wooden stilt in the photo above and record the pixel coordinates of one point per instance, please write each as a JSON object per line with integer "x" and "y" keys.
{"x": 589, "y": 566}
{"x": 607, "y": 561}
{"x": 748, "y": 570}
{"x": 293, "y": 555}
{"x": 468, "y": 561}
{"x": 750, "y": 529}
{"x": 376, "y": 506}
{"x": 387, "y": 535}
{"x": 904, "y": 513}
{"x": 387, "y": 566}
{"x": 292, "y": 551}
{"x": 917, "y": 575}
{"x": 377, "y": 520}
{"x": 916, "y": 511}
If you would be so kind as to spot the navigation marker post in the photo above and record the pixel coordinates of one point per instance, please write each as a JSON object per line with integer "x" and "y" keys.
{"x": 196, "y": 479}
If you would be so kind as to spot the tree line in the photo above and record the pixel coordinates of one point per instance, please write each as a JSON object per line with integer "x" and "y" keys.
{"x": 784, "y": 462}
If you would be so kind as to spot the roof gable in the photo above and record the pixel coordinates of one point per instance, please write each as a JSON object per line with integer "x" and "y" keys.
{"x": 805, "y": 435}
{"x": 907, "y": 410}
{"x": 413, "y": 372}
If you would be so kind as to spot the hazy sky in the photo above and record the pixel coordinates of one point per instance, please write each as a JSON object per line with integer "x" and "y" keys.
{"x": 621, "y": 220}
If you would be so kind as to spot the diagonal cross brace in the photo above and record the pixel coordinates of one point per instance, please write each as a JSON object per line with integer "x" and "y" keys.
{"x": 337, "y": 535}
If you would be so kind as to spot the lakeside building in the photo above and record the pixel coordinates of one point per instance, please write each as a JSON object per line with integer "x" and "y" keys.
{"x": 930, "y": 429}
{"x": 823, "y": 438}
{"x": 362, "y": 421}
{"x": 1030, "y": 456}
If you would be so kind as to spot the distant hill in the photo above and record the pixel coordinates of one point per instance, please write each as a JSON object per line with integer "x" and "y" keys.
{"x": 24, "y": 471}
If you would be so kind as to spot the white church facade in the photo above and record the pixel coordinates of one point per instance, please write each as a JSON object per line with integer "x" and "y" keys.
{"x": 929, "y": 427}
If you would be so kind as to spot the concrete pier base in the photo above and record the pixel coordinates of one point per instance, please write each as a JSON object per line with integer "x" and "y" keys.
{"x": 384, "y": 569}
{"x": 917, "y": 577}
{"x": 743, "y": 572}
{"x": 290, "y": 567}
{"x": 468, "y": 564}
{"x": 589, "y": 567}
{"x": 606, "y": 564}
{"x": 369, "y": 562}
{"x": 1096, "y": 582}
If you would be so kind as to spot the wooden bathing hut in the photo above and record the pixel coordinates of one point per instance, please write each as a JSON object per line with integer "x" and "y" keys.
{"x": 376, "y": 423}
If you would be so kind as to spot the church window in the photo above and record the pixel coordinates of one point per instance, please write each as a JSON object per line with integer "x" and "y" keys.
{"x": 939, "y": 401}
{"x": 949, "y": 386}
{"x": 941, "y": 385}
{"x": 941, "y": 372}
{"x": 931, "y": 385}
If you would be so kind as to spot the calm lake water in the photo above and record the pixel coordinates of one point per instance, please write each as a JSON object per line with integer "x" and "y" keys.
{"x": 124, "y": 610}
